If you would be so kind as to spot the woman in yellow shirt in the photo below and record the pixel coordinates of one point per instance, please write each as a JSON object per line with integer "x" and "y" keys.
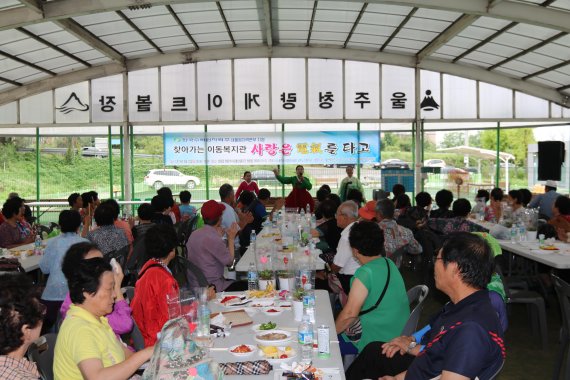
{"x": 86, "y": 346}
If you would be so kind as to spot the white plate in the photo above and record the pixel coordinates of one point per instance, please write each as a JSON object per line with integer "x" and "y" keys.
{"x": 262, "y": 302}
{"x": 257, "y": 330}
{"x": 276, "y": 342}
{"x": 242, "y": 354}
{"x": 292, "y": 354}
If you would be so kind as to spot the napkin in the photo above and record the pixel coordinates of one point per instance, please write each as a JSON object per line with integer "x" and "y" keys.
{"x": 258, "y": 367}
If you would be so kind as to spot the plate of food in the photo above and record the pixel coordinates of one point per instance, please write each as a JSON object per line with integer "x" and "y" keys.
{"x": 261, "y": 294}
{"x": 233, "y": 300}
{"x": 549, "y": 248}
{"x": 242, "y": 350}
{"x": 272, "y": 311}
{"x": 272, "y": 337}
{"x": 277, "y": 354}
{"x": 264, "y": 326}
{"x": 262, "y": 302}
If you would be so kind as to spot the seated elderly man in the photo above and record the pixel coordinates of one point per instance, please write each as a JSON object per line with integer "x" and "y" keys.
{"x": 395, "y": 236}
{"x": 461, "y": 209}
{"x": 209, "y": 252}
{"x": 344, "y": 263}
{"x": 464, "y": 340}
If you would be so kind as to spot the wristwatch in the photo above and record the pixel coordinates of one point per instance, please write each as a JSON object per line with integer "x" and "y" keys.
{"x": 411, "y": 346}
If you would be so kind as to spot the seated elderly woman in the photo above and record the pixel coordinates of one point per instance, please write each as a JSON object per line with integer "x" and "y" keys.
{"x": 86, "y": 346}
{"x": 21, "y": 316}
{"x": 561, "y": 217}
{"x": 377, "y": 293}
{"x": 120, "y": 318}
{"x": 12, "y": 233}
{"x": 155, "y": 282}
{"x": 107, "y": 236}
{"x": 50, "y": 263}
{"x": 459, "y": 222}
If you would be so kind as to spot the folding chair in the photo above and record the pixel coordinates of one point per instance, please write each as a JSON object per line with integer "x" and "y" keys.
{"x": 417, "y": 296}
{"x": 42, "y": 353}
{"x": 563, "y": 291}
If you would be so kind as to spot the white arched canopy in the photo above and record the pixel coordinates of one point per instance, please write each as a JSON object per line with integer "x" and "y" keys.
{"x": 521, "y": 45}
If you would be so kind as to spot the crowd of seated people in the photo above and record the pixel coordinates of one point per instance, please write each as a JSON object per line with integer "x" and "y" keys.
{"x": 82, "y": 298}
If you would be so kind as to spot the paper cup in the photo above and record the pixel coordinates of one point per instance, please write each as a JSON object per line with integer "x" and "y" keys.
{"x": 298, "y": 310}
{"x": 287, "y": 283}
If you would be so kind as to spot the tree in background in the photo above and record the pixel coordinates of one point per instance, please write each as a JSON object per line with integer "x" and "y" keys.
{"x": 514, "y": 141}
{"x": 452, "y": 139}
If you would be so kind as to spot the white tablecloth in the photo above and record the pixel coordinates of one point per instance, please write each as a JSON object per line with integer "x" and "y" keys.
{"x": 249, "y": 257}
{"x": 245, "y": 335}
{"x": 559, "y": 259}
{"x": 29, "y": 263}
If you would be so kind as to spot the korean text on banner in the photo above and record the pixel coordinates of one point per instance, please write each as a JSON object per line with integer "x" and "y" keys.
{"x": 269, "y": 149}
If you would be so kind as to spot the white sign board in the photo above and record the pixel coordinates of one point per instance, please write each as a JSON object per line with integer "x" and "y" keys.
{"x": 107, "y": 99}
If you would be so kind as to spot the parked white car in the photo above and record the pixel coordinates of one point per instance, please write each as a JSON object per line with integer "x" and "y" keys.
{"x": 435, "y": 163}
{"x": 158, "y": 178}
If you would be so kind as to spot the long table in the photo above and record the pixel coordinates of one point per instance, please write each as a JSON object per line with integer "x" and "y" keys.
{"x": 285, "y": 321}
{"x": 559, "y": 259}
{"x": 29, "y": 263}
{"x": 264, "y": 238}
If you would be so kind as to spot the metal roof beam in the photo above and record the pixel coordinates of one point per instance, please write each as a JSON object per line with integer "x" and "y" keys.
{"x": 563, "y": 88}
{"x": 223, "y": 16}
{"x": 27, "y": 63}
{"x": 90, "y": 39}
{"x": 451, "y": 31}
{"x": 485, "y": 41}
{"x": 506, "y": 10}
{"x": 431, "y": 64}
{"x": 139, "y": 31}
{"x": 35, "y": 5}
{"x": 54, "y": 47}
{"x": 526, "y": 51}
{"x": 60, "y": 81}
{"x": 267, "y": 22}
{"x": 12, "y": 82}
{"x": 182, "y": 26}
{"x": 315, "y": 4}
{"x": 497, "y": 33}
{"x": 397, "y": 30}
{"x": 362, "y": 10}
{"x": 551, "y": 68}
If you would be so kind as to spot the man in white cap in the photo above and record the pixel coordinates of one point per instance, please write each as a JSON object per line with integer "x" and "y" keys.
{"x": 546, "y": 201}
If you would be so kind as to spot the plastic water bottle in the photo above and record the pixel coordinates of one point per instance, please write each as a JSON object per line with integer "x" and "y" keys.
{"x": 203, "y": 319}
{"x": 313, "y": 221}
{"x": 309, "y": 305}
{"x": 514, "y": 232}
{"x": 252, "y": 240}
{"x": 302, "y": 213}
{"x": 305, "y": 339}
{"x": 38, "y": 245}
{"x": 481, "y": 213}
{"x": 522, "y": 232}
{"x": 252, "y": 277}
{"x": 308, "y": 209}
